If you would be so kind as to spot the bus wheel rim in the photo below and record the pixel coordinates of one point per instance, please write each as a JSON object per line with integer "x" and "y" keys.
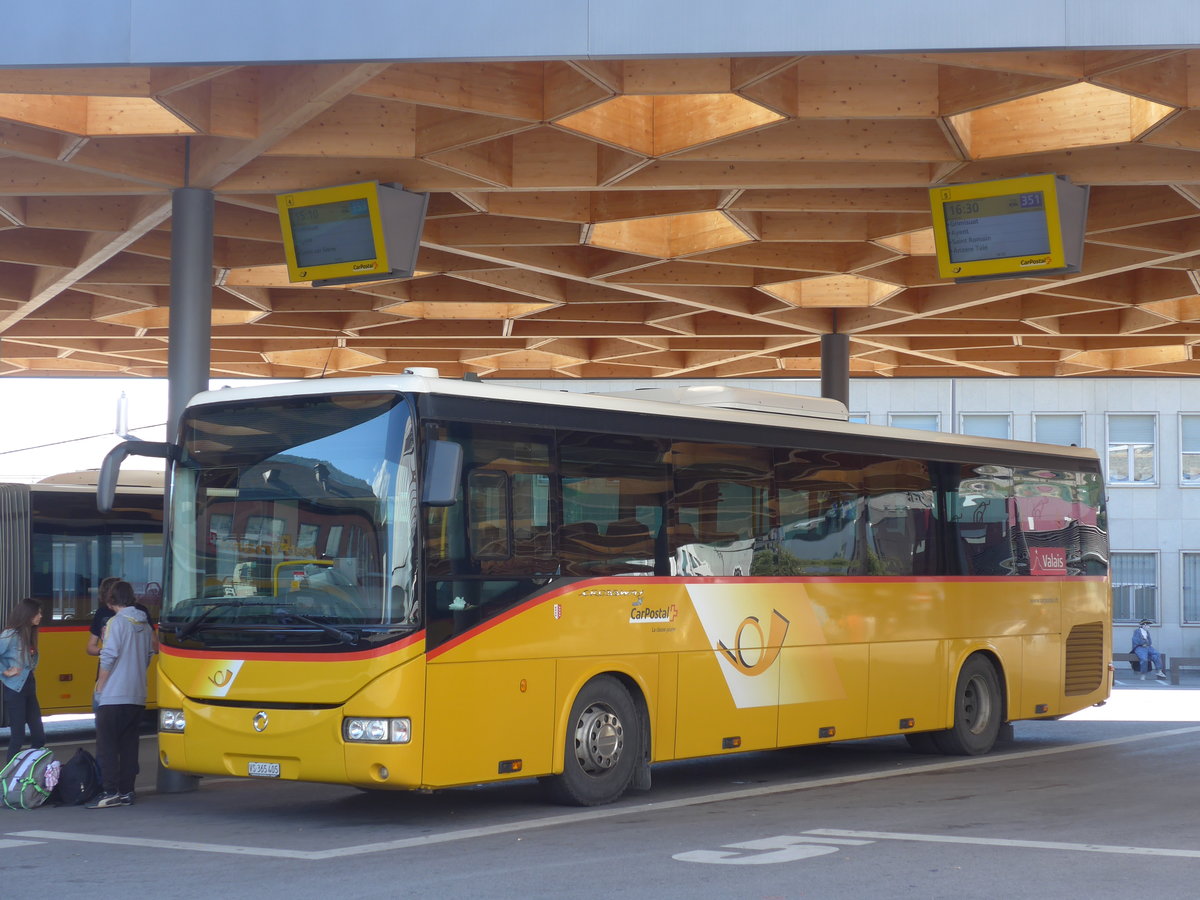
{"x": 599, "y": 739}
{"x": 976, "y": 704}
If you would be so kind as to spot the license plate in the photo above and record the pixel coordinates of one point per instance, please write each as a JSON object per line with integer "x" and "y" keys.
{"x": 264, "y": 770}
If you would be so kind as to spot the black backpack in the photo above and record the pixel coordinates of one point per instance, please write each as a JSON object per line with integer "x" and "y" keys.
{"x": 78, "y": 781}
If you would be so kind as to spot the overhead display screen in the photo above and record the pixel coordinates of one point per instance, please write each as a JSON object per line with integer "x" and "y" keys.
{"x": 330, "y": 233}
{"x": 351, "y": 233}
{"x": 1033, "y": 225}
{"x": 996, "y": 227}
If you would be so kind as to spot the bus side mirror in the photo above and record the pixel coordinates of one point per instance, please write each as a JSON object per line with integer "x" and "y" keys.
{"x": 443, "y": 471}
{"x": 110, "y": 469}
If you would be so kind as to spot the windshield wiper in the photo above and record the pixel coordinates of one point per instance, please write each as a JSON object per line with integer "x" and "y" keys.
{"x": 344, "y": 636}
{"x": 182, "y": 632}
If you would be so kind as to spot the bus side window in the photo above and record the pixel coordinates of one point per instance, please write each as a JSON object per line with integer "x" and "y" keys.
{"x": 722, "y": 493}
{"x": 614, "y": 489}
{"x": 978, "y": 508}
{"x": 820, "y": 528}
{"x": 900, "y": 523}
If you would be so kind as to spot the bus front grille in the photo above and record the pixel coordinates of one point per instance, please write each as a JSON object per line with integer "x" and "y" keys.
{"x": 1085, "y": 658}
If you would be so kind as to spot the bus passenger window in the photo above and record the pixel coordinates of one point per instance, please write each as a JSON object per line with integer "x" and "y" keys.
{"x": 820, "y": 516}
{"x": 980, "y": 520}
{"x": 613, "y": 493}
{"x": 1055, "y": 514}
{"x": 722, "y": 499}
{"x": 900, "y": 518}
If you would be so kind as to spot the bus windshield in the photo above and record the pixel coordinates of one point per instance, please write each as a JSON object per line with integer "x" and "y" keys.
{"x": 293, "y": 523}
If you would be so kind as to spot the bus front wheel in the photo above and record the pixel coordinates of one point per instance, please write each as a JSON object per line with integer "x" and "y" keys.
{"x": 602, "y": 744}
{"x": 977, "y": 711}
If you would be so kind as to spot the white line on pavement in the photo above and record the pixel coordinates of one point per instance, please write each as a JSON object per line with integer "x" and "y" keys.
{"x": 1003, "y": 842}
{"x": 611, "y": 811}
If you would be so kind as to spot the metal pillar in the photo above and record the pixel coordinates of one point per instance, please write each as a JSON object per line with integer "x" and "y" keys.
{"x": 189, "y": 333}
{"x": 835, "y": 367}
{"x": 189, "y": 343}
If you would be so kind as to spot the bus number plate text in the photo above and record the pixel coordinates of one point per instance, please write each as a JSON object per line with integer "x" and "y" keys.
{"x": 264, "y": 770}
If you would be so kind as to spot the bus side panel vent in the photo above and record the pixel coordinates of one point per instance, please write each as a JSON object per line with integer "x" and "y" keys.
{"x": 1085, "y": 658}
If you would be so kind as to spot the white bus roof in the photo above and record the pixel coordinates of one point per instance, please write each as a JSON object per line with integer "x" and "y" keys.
{"x": 734, "y": 406}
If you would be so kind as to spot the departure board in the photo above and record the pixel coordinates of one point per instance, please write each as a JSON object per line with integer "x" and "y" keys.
{"x": 997, "y": 227}
{"x": 1026, "y": 226}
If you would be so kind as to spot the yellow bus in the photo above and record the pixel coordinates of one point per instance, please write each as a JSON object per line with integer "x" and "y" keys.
{"x": 413, "y": 582}
{"x": 56, "y": 548}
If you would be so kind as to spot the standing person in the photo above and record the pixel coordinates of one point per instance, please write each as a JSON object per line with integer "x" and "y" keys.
{"x": 121, "y": 696}
{"x": 1148, "y": 657}
{"x": 101, "y": 616}
{"x": 18, "y": 659}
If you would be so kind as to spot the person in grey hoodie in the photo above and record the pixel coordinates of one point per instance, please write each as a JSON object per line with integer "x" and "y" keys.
{"x": 121, "y": 696}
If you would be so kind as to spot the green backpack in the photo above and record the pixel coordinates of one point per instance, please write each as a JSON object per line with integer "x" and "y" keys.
{"x": 23, "y": 780}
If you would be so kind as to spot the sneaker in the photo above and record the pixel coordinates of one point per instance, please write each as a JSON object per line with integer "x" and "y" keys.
{"x": 1160, "y": 674}
{"x": 127, "y": 799}
{"x": 104, "y": 801}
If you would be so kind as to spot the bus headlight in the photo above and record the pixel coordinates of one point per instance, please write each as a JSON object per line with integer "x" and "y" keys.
{"x": 171, "y": 720}
{"x": 377, "y": 731}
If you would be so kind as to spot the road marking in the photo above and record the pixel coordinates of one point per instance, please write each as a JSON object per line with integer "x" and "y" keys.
{"x": 609, "y": 812}
{"x": 1004, "y": 842}
{"x": 784, "y": 848}
{"x": 4, "y": 844}
{"x": 189, "y": 846}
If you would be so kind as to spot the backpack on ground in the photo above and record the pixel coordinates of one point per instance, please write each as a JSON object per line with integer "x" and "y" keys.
{"x": 23, "y": 780}
{"x": 78, "y": 780}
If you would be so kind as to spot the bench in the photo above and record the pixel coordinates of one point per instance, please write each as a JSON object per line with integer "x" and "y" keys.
{"x": 1180, "y": 662}
{"x": 1127, "y": 658}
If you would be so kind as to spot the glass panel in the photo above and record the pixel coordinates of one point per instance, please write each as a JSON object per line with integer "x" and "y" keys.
{"x": 1057, "y": 518}
{"x": 1191, "y": 588}
{"x": 900, "y": 519}
{"x": 487, "y": 510}
{"x": 721, "y": 507}
{"x": 258, "y": 486}
{"x": 73, "y": 548}
{"x": 1135, "y": 587}
{"x": 614, "y": 490}
{"x": 1118, "y": 463}
{"x": 981, "y": 522}
{"x": 820, "y": 516}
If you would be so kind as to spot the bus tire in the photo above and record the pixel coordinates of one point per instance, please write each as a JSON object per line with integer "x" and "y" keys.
{"x": 977, "y": 710}
{"x": 602, "y": 745}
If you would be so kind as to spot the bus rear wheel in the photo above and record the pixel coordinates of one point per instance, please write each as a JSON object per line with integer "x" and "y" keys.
{"x": 602, "y": 745}
{"x": 977, "y": 711}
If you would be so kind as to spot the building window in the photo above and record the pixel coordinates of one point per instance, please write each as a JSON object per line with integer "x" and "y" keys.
{"x": 919, "y": 421}
{"x": 1135, "y": 587}
{"x": 860, "y": 418}
{"x": 1191, "y": 588}
{"x": 1131, "y": 449}
{"x": 1058, "y": 428}
{"x": 988, "y": 425}
{"x": 1189, "y": 449}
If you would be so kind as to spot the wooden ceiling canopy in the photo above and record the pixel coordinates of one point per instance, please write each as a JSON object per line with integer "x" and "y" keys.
{"x": 701, "y": 217}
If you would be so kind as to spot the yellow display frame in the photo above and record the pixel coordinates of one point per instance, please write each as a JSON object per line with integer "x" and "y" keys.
{"x": 364, "y": 190}
{"x": 1025, "y": 264}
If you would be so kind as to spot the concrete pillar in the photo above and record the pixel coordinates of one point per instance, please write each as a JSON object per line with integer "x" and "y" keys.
{"x": 835, "y": 367}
